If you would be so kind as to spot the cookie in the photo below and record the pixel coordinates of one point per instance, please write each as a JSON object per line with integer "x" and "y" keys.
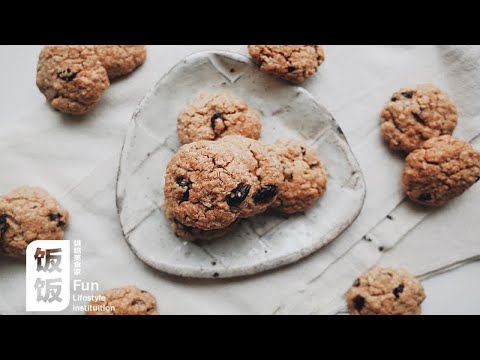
{"x": 294, "y": 63}
{"x": 124, "y": 301}
{"x": 386, "y": 291}
{"x": 441, "y": 169}
{"x": 416, "y": 114}
{"x": 212, "y": 116}
{"x": 210, "y": 184}
{"x": 193, "y": 234}
{"x": 71, "y": 78}
{"x": 120, "y": 60}
{"x": 305, "y": 179}
{"x": 28, "y": 214}
{"x": 267, "y": 169}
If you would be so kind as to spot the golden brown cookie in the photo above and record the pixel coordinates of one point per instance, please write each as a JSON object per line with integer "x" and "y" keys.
{"x": 294, "y": 63}
{"x": 441, "y": 169}
{"x": 120, "y": 60}
{"x": 28, "y": 214}
{"x": 416, "y": 114}
{"x": 212, "y": 116}
{"x": 124, "y": 301}
{"x": 71, "y": 77}
{"x": 386, "y": 291}
{"x": 305, "y": 179}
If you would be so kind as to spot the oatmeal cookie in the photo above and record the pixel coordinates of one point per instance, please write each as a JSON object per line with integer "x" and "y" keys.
{"x": 441, "y": 169}
{"x": 212, "y": 116}
{"x": 28, "y": 214}
{"x": 120, "y": 60}
{"x": 386, "y": 291}
{"x": 305, "y": 177}
{"x": 125, "y": 301}
{"x": 416, "y": 114}
{"x": 71, "y": 78}
{"x": 294, "y": 63}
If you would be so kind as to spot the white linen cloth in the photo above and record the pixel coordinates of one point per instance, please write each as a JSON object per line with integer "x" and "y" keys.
{"x": 76, "y": 159}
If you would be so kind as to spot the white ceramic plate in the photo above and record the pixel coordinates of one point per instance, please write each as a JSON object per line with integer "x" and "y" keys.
{"x": 261, "y": 243}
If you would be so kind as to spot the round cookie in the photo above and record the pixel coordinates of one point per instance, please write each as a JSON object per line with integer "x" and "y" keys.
{"x": 305, "y": 177}
{"x": 441, "y": 169}
{"x": 416, "y": 114}
{"x": 120, "y": 60}
{"x": 209, "y": 184}
{"x": 71, "y": 78}
{"x": 28, "y": 214}
{"x": 124, "y": 301}
{"x": 193, "y": 234}
{"x": 212, "y": 116}
{"x": 386, "y": 291}
{"x": 267, "y": 169}
{"x": 294, "y": 63}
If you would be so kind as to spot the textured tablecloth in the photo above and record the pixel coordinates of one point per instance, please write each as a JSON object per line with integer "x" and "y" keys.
{"x": 76, "y": 159}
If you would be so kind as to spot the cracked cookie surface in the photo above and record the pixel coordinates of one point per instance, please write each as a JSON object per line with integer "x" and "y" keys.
{"x": 294, "y": 63}
{"x": 120, "y": 60}
{"x": 441, "y": 169}
{"x": 386, "y": 291}
{"x": 212, "y": 116}
{"x": 126, "y": 301}
{"x": 193, "y": 234}
{"x": 416, "y": 114}
{"x": 71, "y": 77}
{"x": 305, "y": 179}
{"x": 28, "y": 214}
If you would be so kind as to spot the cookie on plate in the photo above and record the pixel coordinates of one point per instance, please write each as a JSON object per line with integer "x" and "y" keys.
{"x": 124, "y": 301}
{"x": 28, "y": 214}
{"x": 441, "y": 169}
{"x": 294, "y": 63}
{"x": 120, "y": 60}
{"x": 305, "y": 179}
{"x": 212, "y": 116}
{"x": 71, "y": 77}
{"x": 386, "y": 291}
{"x": 416, "y": 114}
{"x": 193, "y": 234}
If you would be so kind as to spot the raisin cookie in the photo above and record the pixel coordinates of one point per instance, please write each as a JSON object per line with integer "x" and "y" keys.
{"x": 120, "y": 60}
{"x": 193, "y": 234}
{"x": 124, "y": 301}
{"x": 28, "y": 214}
{"x": 71, "y": 78}
{"x": 294, "y": 63}
{"x": 386, "y": 291}
{"x": 212, "y": 116}
{"x": 305, "y": 179}
{"x": 210, "y": 184}
{"x": 416, "y": 114}
{"x": 441, "y": 169}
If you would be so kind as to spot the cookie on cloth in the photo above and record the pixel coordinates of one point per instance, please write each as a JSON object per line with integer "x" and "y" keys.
{"x": 440, "y": 170}
{"x": 416, "y": 114}
{"x": 28, "y": 214}
{"x": 124, "y": 301}
{"x": 294, "y": 63}
{"x": 386, "y": 291}
{"x": 121, "y": 60}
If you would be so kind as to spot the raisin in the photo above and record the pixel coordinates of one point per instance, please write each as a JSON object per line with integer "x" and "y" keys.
{"x": 407, "y": 94}
{"x": 3, "y": 225}
{"x": 213, "y": 120}
{"x": 232, "y": 70}
{"x": 143, "y": 291}
{"x": 291, "y": 69}
{"x": 61, "y": 224}
{"x": 359, "y": 302}
{"x": 137, "y": 302}
{"x": 393, "y": 98}
{"x": 265, "y": 194}
{"x": 418, "y": 118}
{"x": 425, "y": 197}
{"x": 478, "y": 178}
{"x": 238, "y": 195}
{"x": 185, "y": 184}
{"x": 67, "y": 75}
{"x": 356, "y": 283}
{"x": 398, "y": 290}
{"x": 55, "y": 217}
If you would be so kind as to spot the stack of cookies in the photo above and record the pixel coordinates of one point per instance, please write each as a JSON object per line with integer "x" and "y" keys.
{"x": 419, "y": 121}
{"x": 223, "y": 173}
